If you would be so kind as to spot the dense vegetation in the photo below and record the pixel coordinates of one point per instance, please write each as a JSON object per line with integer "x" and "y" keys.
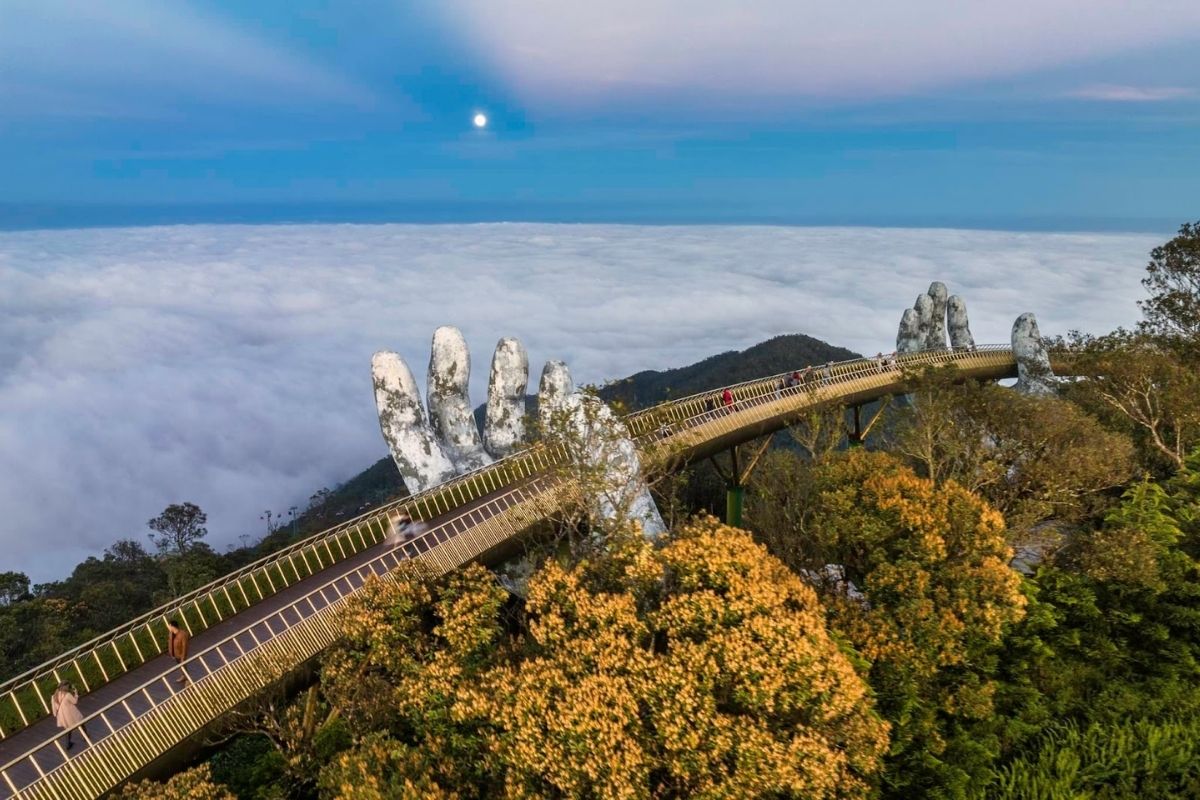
{"x": 869, "y": 635}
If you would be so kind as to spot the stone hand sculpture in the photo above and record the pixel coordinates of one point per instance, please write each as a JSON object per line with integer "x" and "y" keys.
{"x": 933, "y": 315}
{"x": 925, "y": 325}
{"x": 431, "y": 450}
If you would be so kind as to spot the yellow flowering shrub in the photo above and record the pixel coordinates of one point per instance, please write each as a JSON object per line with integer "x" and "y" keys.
{"x": 932, "y": 591}
{"x": 192, "y": 784}
{"x": 932, "y": 562}
{"x": 702, "y": 668}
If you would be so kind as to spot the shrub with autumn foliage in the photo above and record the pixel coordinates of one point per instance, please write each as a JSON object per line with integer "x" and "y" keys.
{"x": 922, "y": 588}
{"x": 702, "y": 668}
{"x": 193, "y": 784}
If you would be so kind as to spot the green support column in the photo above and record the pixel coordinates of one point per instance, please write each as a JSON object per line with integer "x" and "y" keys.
{"x": 733, "y": 506}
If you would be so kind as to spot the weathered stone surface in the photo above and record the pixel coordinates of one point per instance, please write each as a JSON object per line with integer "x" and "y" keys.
{"x": 419, "y": 457}
{"x": 1034, "y": 375}
{"x": 504, "y": 425}
{"x": 924, "y": 309}
{"x": 429, "y": 452}
{"x": 450, "y": 413}
{"x": 936, "y": 339}
{"x": 933, "y": 315}
{"x": 959, "y": 324}
{"x": 554, "y": 387}
{"x": 908, "y": 338}
{"x": 607, "y": 445}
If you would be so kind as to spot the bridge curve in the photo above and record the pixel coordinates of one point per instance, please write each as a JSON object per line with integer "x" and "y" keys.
{"x": 133, "y": 718}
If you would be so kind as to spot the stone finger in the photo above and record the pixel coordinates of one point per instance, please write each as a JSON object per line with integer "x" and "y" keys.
{"x": 419, "y": 457}
{"x": 924, "y": 309}
{"x": 936, "y": 339}
{"x": 959, "y": 324}
{"x": 554, "y": 387}
{"x": 605, "y": 446}
{"x": 504, "y": 426}
{"x": 908, "y": 337}
{"x": 450, "y": 413}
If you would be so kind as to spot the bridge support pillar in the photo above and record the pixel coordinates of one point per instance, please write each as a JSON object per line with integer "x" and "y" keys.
{"x": 855, "y": 434}
{"x": 735, "y": 480}
{"x": 858, "y": 432}
{"x": 733, "y": 492}
{"x": 733, "y": 506}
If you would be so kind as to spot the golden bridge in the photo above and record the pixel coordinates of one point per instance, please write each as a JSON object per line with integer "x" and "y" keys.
{"x": 277, "y": 613}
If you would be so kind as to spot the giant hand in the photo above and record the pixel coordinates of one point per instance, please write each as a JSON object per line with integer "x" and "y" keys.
{"x": 1034, "y": 375}
{"x": 925, "y": 325}
{"x": 431, "y": 450}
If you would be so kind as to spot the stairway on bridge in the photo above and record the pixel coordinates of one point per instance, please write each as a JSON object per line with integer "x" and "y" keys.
{"x": 136, "y": 718}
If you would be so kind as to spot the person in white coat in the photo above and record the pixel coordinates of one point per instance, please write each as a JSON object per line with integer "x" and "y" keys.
{"x": 66, "y": 712}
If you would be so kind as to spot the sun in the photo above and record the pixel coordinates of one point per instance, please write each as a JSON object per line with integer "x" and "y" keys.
{"x": 480, "y": 120}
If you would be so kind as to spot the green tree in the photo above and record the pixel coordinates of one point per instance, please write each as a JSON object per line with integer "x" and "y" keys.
{"x": 14, "y": 586}
{"x": 1126, "y": 759}
{"x": 178, "y": 529}
{"x": 1135, "y": 383}
{"x": 188, "y": 562}
{"x": 1032, "y": 458}
{"x": 1173, "y": 280}
{"x": 1113, "y": 629}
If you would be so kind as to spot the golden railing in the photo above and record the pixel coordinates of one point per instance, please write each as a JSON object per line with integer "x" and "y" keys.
{"x": 232, "y": 670}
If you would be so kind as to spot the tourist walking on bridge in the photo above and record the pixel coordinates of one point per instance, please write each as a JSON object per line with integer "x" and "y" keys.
{"x": 66, "y": 712}
{"x": 177, "y": 646}
{"x": 727, "y": 401}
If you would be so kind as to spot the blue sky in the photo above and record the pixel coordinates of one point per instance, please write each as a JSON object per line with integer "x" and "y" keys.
{"x": 1054, "y": 113}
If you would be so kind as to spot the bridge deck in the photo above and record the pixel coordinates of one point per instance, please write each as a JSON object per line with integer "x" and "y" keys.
{"x": 43, "y": 744}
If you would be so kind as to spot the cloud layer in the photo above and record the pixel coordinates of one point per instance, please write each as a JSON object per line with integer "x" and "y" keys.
{"x": 229, "y": 365}
{"x": 576, "y": 53}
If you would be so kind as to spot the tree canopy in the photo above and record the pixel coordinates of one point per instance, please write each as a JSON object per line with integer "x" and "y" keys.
{"x": 701, "y": 669}
{"x": 1173, "y": 280}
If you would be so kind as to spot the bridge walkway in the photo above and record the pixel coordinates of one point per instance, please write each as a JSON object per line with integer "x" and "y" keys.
{"x": 39, "y": 751}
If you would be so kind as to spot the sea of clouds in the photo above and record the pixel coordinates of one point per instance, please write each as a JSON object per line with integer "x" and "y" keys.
{"x": 230, "y": 365}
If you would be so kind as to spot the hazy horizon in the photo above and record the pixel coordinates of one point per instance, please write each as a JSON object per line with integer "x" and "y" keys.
{"x": 34, "y": 216}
